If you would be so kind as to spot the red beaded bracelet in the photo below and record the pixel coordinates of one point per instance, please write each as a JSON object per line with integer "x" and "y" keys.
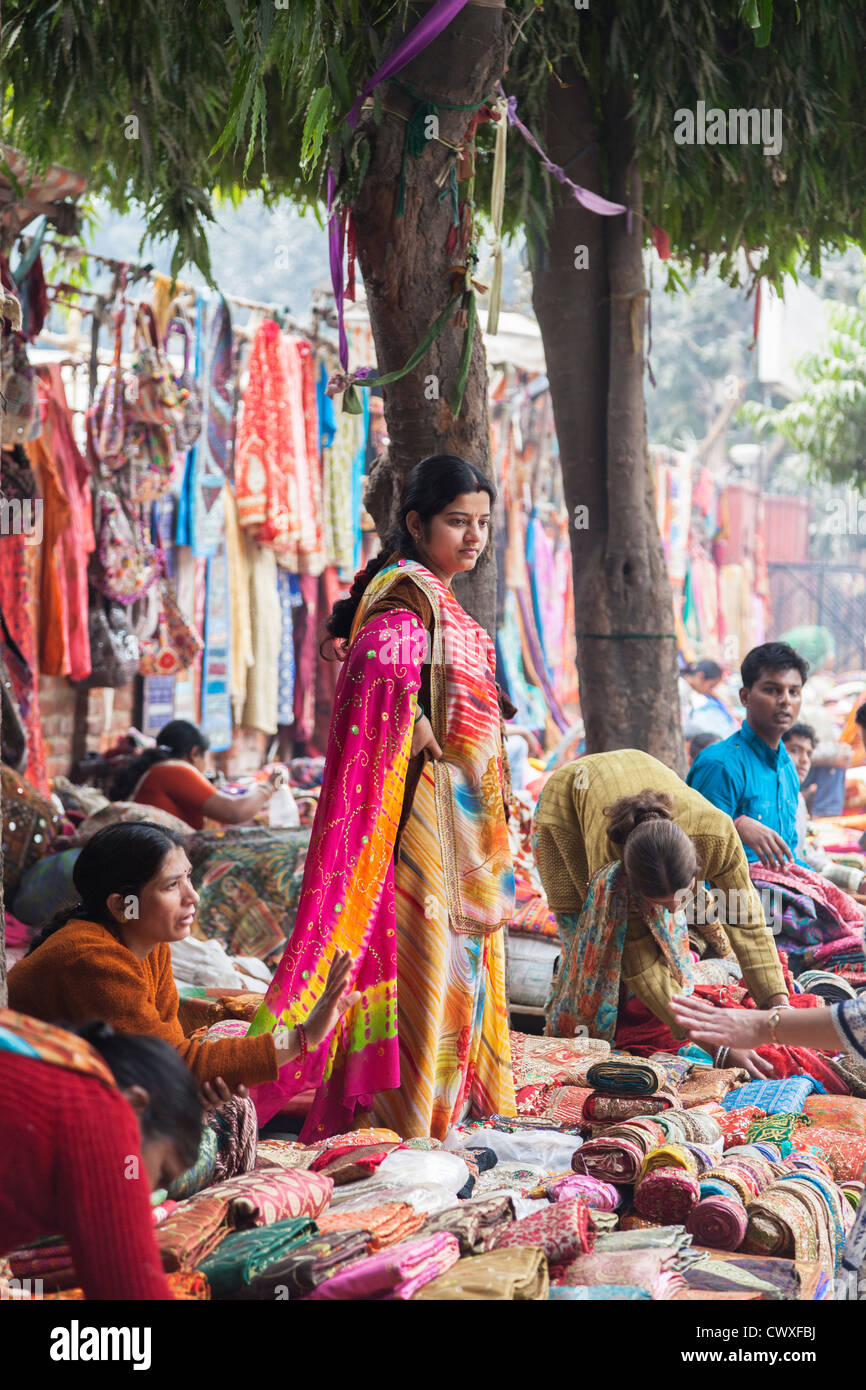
{"x": 302, "y": 1038}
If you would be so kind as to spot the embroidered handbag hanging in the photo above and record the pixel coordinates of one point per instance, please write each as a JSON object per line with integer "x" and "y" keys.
{"x": 106, "y": 420}
{"x": 126, "y": 566}
{"x": 114, "y": 649}
{"x": 20, "y": 418}
{"x": 149, "y": 391}
{"x": 151, "y": 457}
{"x": 175, "y": 644}
{"x": 190, "y": 411}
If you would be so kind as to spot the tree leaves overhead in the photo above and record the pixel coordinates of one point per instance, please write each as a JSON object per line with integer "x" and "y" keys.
{"x": 231, "y": 97}
{"x": 734, "y": 55}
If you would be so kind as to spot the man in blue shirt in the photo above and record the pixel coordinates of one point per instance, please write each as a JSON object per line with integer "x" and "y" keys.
{"x": 751, "y": 775}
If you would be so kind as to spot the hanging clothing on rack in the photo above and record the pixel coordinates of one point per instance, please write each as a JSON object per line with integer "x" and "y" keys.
{"x": 209, "y": 463}
{"x": 77, "y": 542}
{"x": 290, "y": 598}
{"x": 241, "y": 637}
{"x": 18, "y": 591}
{"x": 260, "y": 710}
{"x": 216, "y": 710}
{"x": 273, "y": 480}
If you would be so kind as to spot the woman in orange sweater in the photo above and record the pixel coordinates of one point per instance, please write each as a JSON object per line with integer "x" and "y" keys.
{"x": 109, "y": 958}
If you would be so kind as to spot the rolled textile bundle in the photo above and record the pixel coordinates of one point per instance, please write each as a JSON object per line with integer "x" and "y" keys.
{"x": 244, "y": 1254}
{"x": 669, "y": 1156}
{"x": 695, "y": 1126}
{"x": 741, "y": 1181}
{"x": 704, "y": 1157}
{"x": 603, "y": 1109}
{"x": 518, "y": 1275}
{"x": 837, "y": 1112}
{"x": 735, "y": 1126}
{"x": 719, "y": 1223}
{"x": 667, "y": 1195}
{"x": 613, "y": 1158}
{"x": 844, "y": 1150}
{"x": 717, "y": 1187}
{"x": 301, "y": 1269}
{"x": 749, "y": 1160}
{"x": 599, "y": 1195}
{"x": 397, "y": 1273}
{"x": 852, "y": 1192}
{"x": 633, "y": 1222}
{"x": 626, "y": 1076}
{"x": 263, "y": 1197}
{"x": 797, "y": 1218}
{"x": 563, "y": 1231}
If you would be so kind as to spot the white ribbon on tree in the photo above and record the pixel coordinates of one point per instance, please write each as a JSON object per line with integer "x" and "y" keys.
{"x": 497, "y": 204}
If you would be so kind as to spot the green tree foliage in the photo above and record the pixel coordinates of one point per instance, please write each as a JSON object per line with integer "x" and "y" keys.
{"x": 827, "y": 422}
{"x": 230, "y": 97}
{"x": 805, "y": 61}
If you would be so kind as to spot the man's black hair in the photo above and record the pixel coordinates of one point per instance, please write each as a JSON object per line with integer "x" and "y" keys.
{"x": 772, "y": 656}
{"x": 800, "y": 731}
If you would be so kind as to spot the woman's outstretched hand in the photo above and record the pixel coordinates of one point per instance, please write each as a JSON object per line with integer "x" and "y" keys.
{"x": 334, "y": 1002}
{"x": 742, "y": 1030}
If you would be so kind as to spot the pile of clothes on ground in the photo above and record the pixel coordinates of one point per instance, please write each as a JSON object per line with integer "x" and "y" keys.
{"x": 621, "y": 1178}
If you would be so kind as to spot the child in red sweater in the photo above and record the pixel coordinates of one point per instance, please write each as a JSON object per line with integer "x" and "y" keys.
{"x": 90, "y": 1121}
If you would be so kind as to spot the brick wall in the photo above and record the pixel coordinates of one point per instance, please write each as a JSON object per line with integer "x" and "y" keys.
{"x": 57, "y": 705}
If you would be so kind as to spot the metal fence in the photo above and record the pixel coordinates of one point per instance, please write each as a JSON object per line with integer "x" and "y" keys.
{"x": 826, "y": 595}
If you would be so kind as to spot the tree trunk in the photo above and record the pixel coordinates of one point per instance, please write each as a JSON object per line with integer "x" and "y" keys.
{"x": 589, "y": 304}
{"x": 405, "y": 265}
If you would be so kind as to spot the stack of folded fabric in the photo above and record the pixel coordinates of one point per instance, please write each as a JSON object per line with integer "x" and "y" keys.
{"x": 244, "y": 1254}
{"x": 517, "y": 1274}
{"x": 388, "y": 1224}
{"x": 563, "y": 1230}
{"x": 477, "y": 1224}
{"x": 735, "y": 1125}
{"x": 774, "y": 1097}
{"x": 770, "y": 1277}
{"x": 562, "y": 1061}
{"x": 397, "y": 1273}
{"x": 654, "y": 1271}
{"x": 302, "y": 1266}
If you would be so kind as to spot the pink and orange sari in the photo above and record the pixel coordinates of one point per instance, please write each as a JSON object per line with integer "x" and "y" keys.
{"x": 426, "y": 937}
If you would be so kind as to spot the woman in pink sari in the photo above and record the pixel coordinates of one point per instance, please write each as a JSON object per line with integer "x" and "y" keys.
{"x": 409, "y": 866}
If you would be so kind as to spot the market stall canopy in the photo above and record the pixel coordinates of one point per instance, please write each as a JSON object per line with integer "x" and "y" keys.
{"x": 518, "y": 341}
{"x": 27, "y": 192}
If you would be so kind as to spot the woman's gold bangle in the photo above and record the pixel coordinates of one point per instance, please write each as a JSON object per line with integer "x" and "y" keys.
{"x": 773, "y": 1022}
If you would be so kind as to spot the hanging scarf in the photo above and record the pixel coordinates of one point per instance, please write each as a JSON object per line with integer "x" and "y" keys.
{"x": 473, "y": 834}
{"x": 29, "y": 1037}
{"x": 587, "y": 989}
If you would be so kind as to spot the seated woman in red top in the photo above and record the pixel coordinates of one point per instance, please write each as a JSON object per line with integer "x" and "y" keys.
{"x": 90, "y": 1122}
{"x": 171, "y": 777}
